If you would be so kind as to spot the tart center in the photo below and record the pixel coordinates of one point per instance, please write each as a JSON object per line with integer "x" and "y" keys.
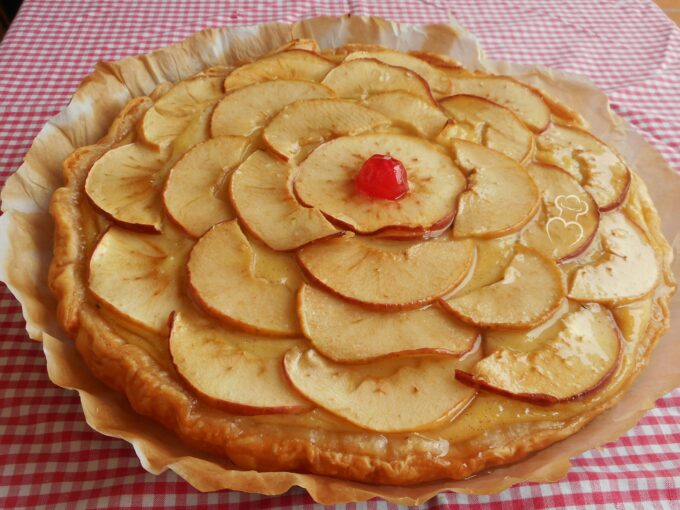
{"x": 382, "y": 176}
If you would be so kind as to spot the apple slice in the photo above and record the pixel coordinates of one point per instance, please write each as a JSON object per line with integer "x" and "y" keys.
{"x": 438, "y": 82}
{"x": 312, "y": 121}
{"x": 137, "y": 275}
{"x": 298, "y": 44}
{"x": 501, "y": 196}
{"x": 215, "y": 361}
{"x": 387, "y": 275}
{"x": 248, "y": 109}
{"x": 358, "y": 79}
{"x": 496, "y": 127}
{"x": 394, "y": 395}
{"x": 326, "y": 180}
{"x": 438, "y": 60}
{"x": 197, "y": 131}
{"x": 492, "y": 257}
{"x": 223, "y": 283}
{"x": 599, "y": 170}
{"x": 575, "y": 364}
{"x": 529, "y": 293}
{"x": 261, "y": 192}
{"x": 194, "y": 195}
{"x": 125, "y": 186}
{"x": 627, "y": 270}
{"x": 168, "y": 117}
{"x": 507, "y": 92}
{"x": 350, "y": 333}
{"x": 568, "y": 219}
{"x": 410, "y": 111}
{"x": 296, "y": 64}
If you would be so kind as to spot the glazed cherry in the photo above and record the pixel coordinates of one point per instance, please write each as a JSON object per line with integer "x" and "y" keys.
{"x": 382, "y": 176}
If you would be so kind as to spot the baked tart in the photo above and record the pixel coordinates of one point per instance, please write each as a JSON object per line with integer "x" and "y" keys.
{"x": 358, "y": 262}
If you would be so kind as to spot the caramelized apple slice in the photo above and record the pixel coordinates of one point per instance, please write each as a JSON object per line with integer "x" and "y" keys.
{"x": 326, "y": 180}
{"x": 299, "y": 44}
{"x": 124, "y": 185}
{"x": 248, "y": 109}
{"x": 599, "y": 170}
{"x": 312, "y": 121}
{"x": 522, "y": 100}
{"x": 350, "y": 333}
{"x": 293, "y": 64}
{"x": 568, "y": 219}
{"x": 388, "y": 275}
{"x": 358, "y": 79}
{"x": 628, "y": 270}
{"x": 392, "y": 395}
{"x": 529, "y": 293}
{"x": 137, "y": 275}
{"x": 214, "y": 361}
{"x": 261, "y": 192}
{"x": 194, "y": 196}
{"x": 501, "y": 196}
{"x": 197, "y": 131}
{"x": 168, "y": 117}
{"x": 223, "y": 283}
{"x": 410, "y": 111}
{"x": 490, "y": 125}
{"x": 438, "y": 82}
{"x": 576, "y": 363}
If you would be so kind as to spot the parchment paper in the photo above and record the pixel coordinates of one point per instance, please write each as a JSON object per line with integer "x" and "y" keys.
{"x": 26, "y": 246}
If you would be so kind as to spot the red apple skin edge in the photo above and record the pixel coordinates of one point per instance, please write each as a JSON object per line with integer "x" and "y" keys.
{"x": 231, "y": 407}
{"x": 542, "y": 399}
{"x": 621, "y": 197}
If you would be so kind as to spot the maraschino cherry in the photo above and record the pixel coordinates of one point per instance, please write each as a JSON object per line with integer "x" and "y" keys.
{"x": 382, "y": 176}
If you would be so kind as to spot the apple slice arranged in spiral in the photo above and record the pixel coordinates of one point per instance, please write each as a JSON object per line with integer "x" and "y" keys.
{"x": 628, "y": 269}
{"x": 194, "y": 194}
{"x": 578, "y": 361}
{"x": 491, "y": 125}
{"x": 501, "y": 196}
{"x": 438, "y": 82}
{"x": 385, "y": 274}
{"x": 350, "y": 333}
{"x": 568, "y": 219}
{"x": 125, "y": 186}
{"x": 392, "y": 395}
{"x": 531, "y": 281}
{"x": 136, "y": 275}
{"x": 295, "y": 64}
{"x": 248, "y": 109}
{"x": 599, "y": 170}
{"x": 358, "y": 79}
{"x": 223, "y": 282}
{"x": 168, "y": 117}
{"x": 261, "y": 192}
{"x": 407, "y": 110}
{"x": 513, "y": 95}
{"x": 326, "y": 180}
{"x": 214, "y": 361}
{"x": 312, "y": 121}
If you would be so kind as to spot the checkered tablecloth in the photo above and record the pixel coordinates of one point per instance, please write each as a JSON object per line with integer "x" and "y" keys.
{"x": 50, "y": 458}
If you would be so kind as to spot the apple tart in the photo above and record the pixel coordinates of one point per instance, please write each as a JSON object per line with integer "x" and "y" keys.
{"x": 358, "y": 262}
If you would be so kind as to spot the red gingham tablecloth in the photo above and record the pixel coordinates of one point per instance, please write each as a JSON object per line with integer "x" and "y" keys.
{"x": 50, "y": 458}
